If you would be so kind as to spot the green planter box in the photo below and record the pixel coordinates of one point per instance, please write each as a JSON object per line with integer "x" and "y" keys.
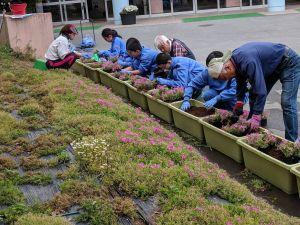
{"x": 222, "y": 141}
{"x": 296, "y": 170}
{"x": 78, "y": 67}
{"x": 119, "y": 87}
{"x": 160, "y": 108}
{"x": 137, "y": 97}
{"x": 187, "y": 122}
{"x": 105, "y": 78}
{"x": 272, "y": 170}
{"x": 92, "y": 73}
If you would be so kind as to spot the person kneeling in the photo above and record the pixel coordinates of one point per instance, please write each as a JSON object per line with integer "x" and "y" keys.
{"x": 59, "y": 54}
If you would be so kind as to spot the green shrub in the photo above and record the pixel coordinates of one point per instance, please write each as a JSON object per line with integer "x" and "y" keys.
{"x": 30, "y": 109}
{"x": 9, "y": 194}
{"x": 10, "y": 128}
{"x": 97, "y": 212}
{"x": 33, "y": 219}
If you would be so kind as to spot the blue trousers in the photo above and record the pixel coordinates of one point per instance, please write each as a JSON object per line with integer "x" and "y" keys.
{"x": 288, "y": 72}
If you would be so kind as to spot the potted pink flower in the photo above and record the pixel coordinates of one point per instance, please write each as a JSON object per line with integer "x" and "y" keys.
{"x": 272, "y": 158}
{"x": 158, "y": 98}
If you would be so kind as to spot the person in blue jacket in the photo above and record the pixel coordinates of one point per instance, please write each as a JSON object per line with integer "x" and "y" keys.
{"x": 179, "y": 70}
{"x": 193, "y": 76}
{"x": 143, "y": 58}
{"x": 262, "y": 64}
{"x": 118, "y": 47}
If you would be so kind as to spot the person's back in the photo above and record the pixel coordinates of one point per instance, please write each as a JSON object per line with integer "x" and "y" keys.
{"x": 179, "y": 48}
{"x": 58, "y": 49}
{"x": 265, "y": 54}
{"x": 186, "y": 68}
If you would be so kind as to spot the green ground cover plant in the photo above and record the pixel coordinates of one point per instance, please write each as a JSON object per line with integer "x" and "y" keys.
{"x": 124, "y": 148}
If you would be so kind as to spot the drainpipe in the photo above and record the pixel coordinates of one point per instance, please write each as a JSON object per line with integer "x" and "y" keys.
{"x": 276, "y": 5}
{"x": 118, "y": 5}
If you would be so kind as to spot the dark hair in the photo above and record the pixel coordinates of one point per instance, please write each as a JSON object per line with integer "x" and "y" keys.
{"x": 133, "y": 44}
{"x": 107, "y": 31}
{"x": 68, "y": 29}
{"x": 214, "y": 54}
{"x": 162, "y": 58}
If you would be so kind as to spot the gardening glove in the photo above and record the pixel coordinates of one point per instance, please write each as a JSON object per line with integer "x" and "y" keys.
{"x": 238, "y": 108}
{"x": 185, "y": 105}
{"x": 103, "y": 53}
{"x": 163, "y": 81}
{"x": 86, "y": 55}
{"x": 152, "y": 77}
{"x": 212, "y": 102}
{"x": 125, "y": 71}
{"x": 254, "y": 122}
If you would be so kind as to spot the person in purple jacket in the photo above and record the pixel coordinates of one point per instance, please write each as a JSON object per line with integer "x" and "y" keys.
{"x": 262, "y": 64}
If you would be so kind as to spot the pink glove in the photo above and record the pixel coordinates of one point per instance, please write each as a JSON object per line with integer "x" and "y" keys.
{"x": 255, "y": 122}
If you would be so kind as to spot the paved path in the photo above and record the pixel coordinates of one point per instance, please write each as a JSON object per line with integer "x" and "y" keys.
{"x": 204, "y": 37}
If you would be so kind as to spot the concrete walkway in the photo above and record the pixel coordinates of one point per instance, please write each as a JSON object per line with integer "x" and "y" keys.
{"x": 204, "y": 37}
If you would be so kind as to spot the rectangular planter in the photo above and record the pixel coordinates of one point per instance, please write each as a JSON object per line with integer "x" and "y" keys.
{"x": 78, "y": 67}
{"x": 105, "y": 78}
{"x": 187, "y": 122}
{"x": 160, "y": 108}
{"x": 269, "y": 168}
{"x": 296, "y": 170}
{"x": 137, "y": 97}
{"x": 222, "y": 141}
{"x": 119, "y": 87}
{"x": 92, "y": 73}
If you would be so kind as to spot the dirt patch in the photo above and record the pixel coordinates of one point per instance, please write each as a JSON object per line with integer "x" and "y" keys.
{"x": 200, "y": 111}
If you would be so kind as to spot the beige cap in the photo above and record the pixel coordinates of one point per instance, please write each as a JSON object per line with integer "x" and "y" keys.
{"x": 215, "y": 66}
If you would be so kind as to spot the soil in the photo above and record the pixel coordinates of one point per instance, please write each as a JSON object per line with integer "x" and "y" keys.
{"x": 273, "y": 152}
{"x": 200, "y": 111}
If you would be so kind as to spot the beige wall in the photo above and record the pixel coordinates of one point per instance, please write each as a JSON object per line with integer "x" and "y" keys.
{"x": 157, "y": 6}
{"x": 232, "y": 3}
{"x": 35, "y": 31}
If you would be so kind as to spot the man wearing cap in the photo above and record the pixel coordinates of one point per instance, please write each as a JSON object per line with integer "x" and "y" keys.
{"x": 262, "y": 64}
{"x": 221, "y": 94}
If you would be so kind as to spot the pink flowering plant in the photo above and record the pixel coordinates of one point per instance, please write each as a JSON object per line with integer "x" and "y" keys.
{"x": 142, "y": 83}
{"x": 111, "y": 67}
{"x": 121, "y": 76}
{"x": 281, "y": 149}
{"x": 167, "y": 94}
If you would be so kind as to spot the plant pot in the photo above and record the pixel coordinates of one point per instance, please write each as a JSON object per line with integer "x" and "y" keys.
{"x": 78, "y": 67}
{"x": 272, "y": 170}
{"x": 119, "y": 87}
{"x": 187, "y": 122}
{"x": 18, "y": 9}
{"x": 105, "y": 78}
{"x": 222, "y": 141}
{"x": 137, "y": 97}
{"x": 160, "y": 108}
{"x": 92, "y": 73}
{"x": 128, "y": 19}
{"x": 296, "y": 170}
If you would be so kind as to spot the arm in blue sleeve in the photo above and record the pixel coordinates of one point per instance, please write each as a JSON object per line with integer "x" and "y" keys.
{"x": 170, "y": 83}
{"x": 145, "y": 65}
{"x": 188, "y": 93}
{"x": 230, "y": 92}
{"x": 199, "y": 81}
{"x": 258, "y": 84}
{"x": 115, "y": 47}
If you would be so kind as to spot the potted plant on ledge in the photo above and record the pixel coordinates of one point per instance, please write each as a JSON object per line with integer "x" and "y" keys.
{"x": 128, "y": 15}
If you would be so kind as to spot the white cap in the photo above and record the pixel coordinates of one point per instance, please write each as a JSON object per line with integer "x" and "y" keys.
{"x": 215, "y": 66}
